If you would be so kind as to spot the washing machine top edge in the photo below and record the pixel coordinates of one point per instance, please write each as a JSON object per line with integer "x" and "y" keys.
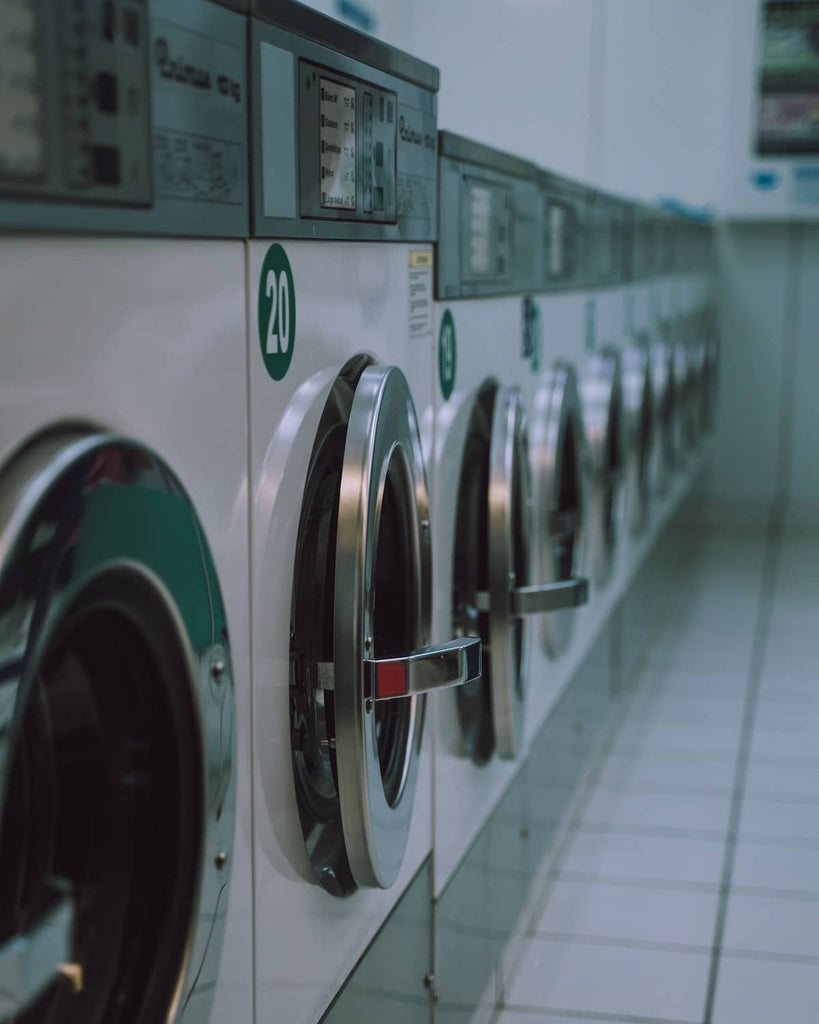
{"x": 305, "y": 21}
{"x": 154, "y": 140}
{"x": 343, "y": 134}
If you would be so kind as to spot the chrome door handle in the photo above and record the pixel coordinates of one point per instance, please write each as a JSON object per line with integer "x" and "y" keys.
{"x": 429, "y": 668}
{"x": 30, "y": 961}
{"x": 541, "y": 598}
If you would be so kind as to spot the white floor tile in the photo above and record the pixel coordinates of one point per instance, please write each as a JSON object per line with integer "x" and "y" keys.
{"x": 780, "y": 820}
{"x": 641, "y": 914}
{"x": 765, "y": 778}
{"x": 782, "y": 715}
{"x": 630, "y": 769}
{"x": 668, "y": 681}
{"x": 652, "y": 810}
{"x": 522, "y": 1017}
{"x": 772, "y": 867}
{"x": 772, "y": 924}
{"x": 679, "y": 737}
{"x": 751, "y": 991}
{"x": 797, "y": 740}
{"x": 648, "y": 858}
{"x": 587, "y": 978}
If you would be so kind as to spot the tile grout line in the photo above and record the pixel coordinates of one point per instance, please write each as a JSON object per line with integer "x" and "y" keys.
{"x": 764, "y": 610}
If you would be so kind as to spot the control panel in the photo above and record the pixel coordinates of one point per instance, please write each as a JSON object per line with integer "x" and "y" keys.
{"x": 564, "y": 213}
{"x": 343, "y": 132}
{"x": 488, "y": 233}
{"x": 348, "y": 134}
{"x": 125, "y": 117}
{"x": 75, "y": 101}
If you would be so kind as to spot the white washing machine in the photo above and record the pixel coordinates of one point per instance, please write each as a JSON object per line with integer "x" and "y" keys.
{"x": 559, "y": 453}
{"x": 340, "y": 368}
{"x": 123, "y": 522}
{"x": 485, "y": 582}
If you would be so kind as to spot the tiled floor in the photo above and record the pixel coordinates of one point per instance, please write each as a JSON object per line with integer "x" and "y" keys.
{"x": 688, "y": 888}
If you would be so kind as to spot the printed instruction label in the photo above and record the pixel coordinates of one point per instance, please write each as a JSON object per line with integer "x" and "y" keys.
{"x": 337, "y": 141}
{"x": 420, "y": 293}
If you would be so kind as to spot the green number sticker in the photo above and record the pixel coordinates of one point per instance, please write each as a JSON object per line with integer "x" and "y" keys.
{"x": 537, "y": 340}
{"x": 447, "y": 355}
{"x": 277, "y": 312}
{"x": 591, "y": 325}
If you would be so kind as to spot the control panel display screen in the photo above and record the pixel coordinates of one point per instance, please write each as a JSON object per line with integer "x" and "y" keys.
{"x": 487, "y": 246}
{"x": 337, "y": 143}
{"x": 788, "y": 101}
{"x": 22, "y": 141}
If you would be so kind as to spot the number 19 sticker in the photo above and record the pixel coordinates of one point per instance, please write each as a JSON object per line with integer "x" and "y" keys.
{"x": 277, "y": 312}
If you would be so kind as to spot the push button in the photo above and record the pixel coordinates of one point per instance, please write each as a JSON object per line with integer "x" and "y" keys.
{"x": 106, "y": 165}
{"x": 107, "y": 93}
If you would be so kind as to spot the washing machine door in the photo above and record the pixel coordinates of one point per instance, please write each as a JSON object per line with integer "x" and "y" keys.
{"x": 602, "y": 396}
{"x": 558, "y": 454}
{"x": 665, "y": 404}
{"x": 711, "y": 368}
{"x": 116, "y": 739}
{"x": 638, "y": 404}
{"x": 681, "y": 371}
{"x": 360, "y": 660}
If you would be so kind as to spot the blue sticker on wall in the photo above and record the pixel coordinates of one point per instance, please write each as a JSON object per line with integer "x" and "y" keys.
{"x": 765, "y": 181}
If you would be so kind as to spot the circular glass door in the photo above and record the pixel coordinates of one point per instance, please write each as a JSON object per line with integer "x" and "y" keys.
{"x": 639, "y": 425}
{"x": 116, "y": 738}
{"x": 663, "y": 387}
{"x": 557, "y": 453}
{"x": 602, "y": 418}
{"x": 359, "y": 659}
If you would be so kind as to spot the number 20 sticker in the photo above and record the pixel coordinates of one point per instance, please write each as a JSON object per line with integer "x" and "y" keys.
{"x": 277, "y": 312}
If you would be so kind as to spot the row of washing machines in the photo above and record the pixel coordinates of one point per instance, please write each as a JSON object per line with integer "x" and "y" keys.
{"x": 324, "y": 438}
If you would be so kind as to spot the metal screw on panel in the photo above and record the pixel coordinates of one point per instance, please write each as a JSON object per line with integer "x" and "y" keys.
{"x": 425, "y": 524}
{"x": 429, "y": 982}
{"x": 368, "y": 643}
{"x": 217, "y": 669}
{"x": 220, "y": 859}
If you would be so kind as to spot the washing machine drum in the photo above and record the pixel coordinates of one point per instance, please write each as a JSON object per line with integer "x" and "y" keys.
{"x": 116, "y": 738}
{"x": 360, "y": 621}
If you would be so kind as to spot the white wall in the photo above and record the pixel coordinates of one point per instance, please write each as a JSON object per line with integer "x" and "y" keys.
{"x": 516, "y": 74}
{"x": 664, "y": 99}
{"x": 765, "y": 458}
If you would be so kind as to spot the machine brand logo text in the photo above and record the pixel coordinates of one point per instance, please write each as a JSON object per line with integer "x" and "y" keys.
{"x": 175, "y": 67}
{"x": 413, "y": 136}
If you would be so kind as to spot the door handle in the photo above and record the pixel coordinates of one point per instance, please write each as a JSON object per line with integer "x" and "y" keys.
{"x": 541, "y": 598}
{"x": 30, "y": 961}
{"x": 428, "y": 668}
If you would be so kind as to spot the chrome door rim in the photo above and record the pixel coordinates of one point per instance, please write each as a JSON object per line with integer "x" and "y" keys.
{"x": 556, "y": 409}
{"x": 88, "y": 461}
{"x": 602, "y": 401}
{"x": 638, "y": 406}
{"x": 664, "y": 412}
{"x": 382, "y": 425}
{"x": 508, "y": 461}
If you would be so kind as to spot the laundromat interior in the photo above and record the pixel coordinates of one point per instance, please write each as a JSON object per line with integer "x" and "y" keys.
{"x": 409, "y": 512}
